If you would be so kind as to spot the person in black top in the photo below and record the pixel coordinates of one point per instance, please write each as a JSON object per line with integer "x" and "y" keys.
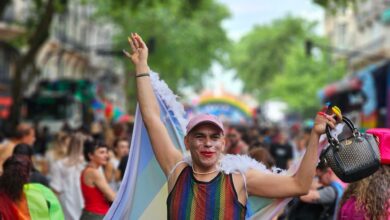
{"x": 281, "y": 151}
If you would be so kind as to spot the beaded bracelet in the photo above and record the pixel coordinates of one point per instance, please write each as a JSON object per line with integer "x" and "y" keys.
{"x": 142, "y": 74}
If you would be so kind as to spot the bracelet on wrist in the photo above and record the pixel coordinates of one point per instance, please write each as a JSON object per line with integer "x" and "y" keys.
{"x": 142, "y": 74}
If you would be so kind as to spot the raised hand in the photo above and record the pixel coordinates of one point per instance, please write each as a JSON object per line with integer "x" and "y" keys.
{"x": 322, "y": 120}
{"x": 139, "y": 51}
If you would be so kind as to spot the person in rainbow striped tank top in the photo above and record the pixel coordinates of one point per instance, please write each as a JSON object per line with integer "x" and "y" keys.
{"x": 199, "y": 189}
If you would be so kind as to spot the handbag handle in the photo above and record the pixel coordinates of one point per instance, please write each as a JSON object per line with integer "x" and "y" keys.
{"x": 332, "y": 140}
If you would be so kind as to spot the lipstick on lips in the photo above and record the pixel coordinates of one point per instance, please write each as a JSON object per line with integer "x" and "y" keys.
{"x": 207, "y": 153}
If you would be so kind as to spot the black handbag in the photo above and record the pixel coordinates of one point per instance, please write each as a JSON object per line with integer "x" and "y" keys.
{"x": 352, "y": 158}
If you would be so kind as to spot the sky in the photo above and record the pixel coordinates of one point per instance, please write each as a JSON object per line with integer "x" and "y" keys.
{"x": 245, "y": 14}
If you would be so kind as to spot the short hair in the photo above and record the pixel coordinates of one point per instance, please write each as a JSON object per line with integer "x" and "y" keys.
{"x": 90, "y": 146}
{"x": 23, "y": 130}
{"x": 23, "y": 149}
{"x": 321, "y": 166}
{"x": 117, "y": 140}
{"x": 264, "y": 156}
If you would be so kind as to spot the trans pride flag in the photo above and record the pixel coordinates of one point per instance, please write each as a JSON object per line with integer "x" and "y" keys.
{"x": 143, "y": 192}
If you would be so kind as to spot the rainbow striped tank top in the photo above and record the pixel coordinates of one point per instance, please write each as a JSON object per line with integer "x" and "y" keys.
{"x": 192, "y": 199}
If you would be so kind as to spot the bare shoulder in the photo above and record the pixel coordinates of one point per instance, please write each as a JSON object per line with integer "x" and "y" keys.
{"x": 6, "y": 150}
{"x": 175, "y": 175}
{"x": 91, "y": 175}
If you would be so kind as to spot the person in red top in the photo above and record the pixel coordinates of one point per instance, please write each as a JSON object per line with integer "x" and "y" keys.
{"x": 94, "y": 187}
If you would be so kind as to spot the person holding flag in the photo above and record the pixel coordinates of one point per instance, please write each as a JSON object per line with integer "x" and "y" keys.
{"x": 197, "y": 186}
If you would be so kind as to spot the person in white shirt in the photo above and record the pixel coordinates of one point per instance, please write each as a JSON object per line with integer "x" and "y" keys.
{"x": 65, "y": 180}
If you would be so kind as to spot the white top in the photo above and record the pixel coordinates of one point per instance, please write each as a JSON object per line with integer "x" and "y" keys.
{"x": 65, "y": 179}
{"x": 113, "y": 183}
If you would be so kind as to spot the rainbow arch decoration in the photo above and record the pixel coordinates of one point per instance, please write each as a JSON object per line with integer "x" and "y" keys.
{"x": 227, "y": 107}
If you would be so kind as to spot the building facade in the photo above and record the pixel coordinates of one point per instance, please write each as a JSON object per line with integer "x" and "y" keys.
{"x": 361, "y": 35}
{"x": 79, "y": 47}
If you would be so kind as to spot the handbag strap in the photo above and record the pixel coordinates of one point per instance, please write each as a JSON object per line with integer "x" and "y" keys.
{"x": 334, "y": 141}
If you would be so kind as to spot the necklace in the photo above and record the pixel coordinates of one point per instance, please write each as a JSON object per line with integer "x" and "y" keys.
{"x": 205, "y": 173}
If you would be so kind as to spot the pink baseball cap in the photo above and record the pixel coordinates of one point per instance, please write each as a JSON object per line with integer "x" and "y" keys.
{"x": 204, "y": 119}
{"x": 384, "y": 143}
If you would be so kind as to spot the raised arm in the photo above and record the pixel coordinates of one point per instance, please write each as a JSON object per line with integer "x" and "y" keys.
{"x": 100, "y": 182}
{"x": 280, "y": 186}
{"x": 166, "y": 153}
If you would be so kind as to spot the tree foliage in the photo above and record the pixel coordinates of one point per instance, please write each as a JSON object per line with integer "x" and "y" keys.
{"x": 184, "y": 37}
{"x": 260, "y": 54}
{"x": 333, "y": 5}
{"x": 272, "y": 63}
{"x": 301, "y": 79}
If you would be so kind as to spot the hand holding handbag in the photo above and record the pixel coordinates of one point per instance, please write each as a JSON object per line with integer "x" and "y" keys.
{"x": 352, "y": 158}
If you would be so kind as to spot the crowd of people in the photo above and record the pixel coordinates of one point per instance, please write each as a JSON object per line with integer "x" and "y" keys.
{"x": 76, "y": 174}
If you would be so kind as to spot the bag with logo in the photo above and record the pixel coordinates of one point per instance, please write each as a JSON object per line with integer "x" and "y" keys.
{"x": 352, "y": 158}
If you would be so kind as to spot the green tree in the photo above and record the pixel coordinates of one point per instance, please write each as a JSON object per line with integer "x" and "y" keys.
{"x": 184, "y": 37}
{"x": 272, "y": 63}
{"x": 260, "y": 55}
{"x": 301, "y": 79}
{"x": 333, "y": 5}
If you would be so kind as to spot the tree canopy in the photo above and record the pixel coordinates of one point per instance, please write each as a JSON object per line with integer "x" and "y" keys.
{"x": 183, "y": 37}
{"x": 272, "y": 62}
{"x": 334, "y": 3}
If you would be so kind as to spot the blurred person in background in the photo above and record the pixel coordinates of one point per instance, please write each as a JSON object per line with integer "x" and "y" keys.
{"x": 65, "y": 178}
{"x": 97, "y": 131}
{"x": 322, "y": 200}
{"x": 120, "y": 130}
{"x": 42, "y": 140}
{"x": 300, "y": 144}
{"x": 35, "y": 175}
{"x": 328, "y": 195}
{"x": 234, "y": 142}
{"x": 22, "y": 200}
{"x": 24, "y": 133}
{"x": 120, "y": 150}
{"x": 263, "y": 156}
{"x": 58, "y": 149}
{"x": 122, "y": 166}
{"x": 253, "y": 135}
{"x": 368, "y": 198}
{"x": 96, "y": 191}
{"x": 281, "y": 151}
{"x": 13, "y": 202}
